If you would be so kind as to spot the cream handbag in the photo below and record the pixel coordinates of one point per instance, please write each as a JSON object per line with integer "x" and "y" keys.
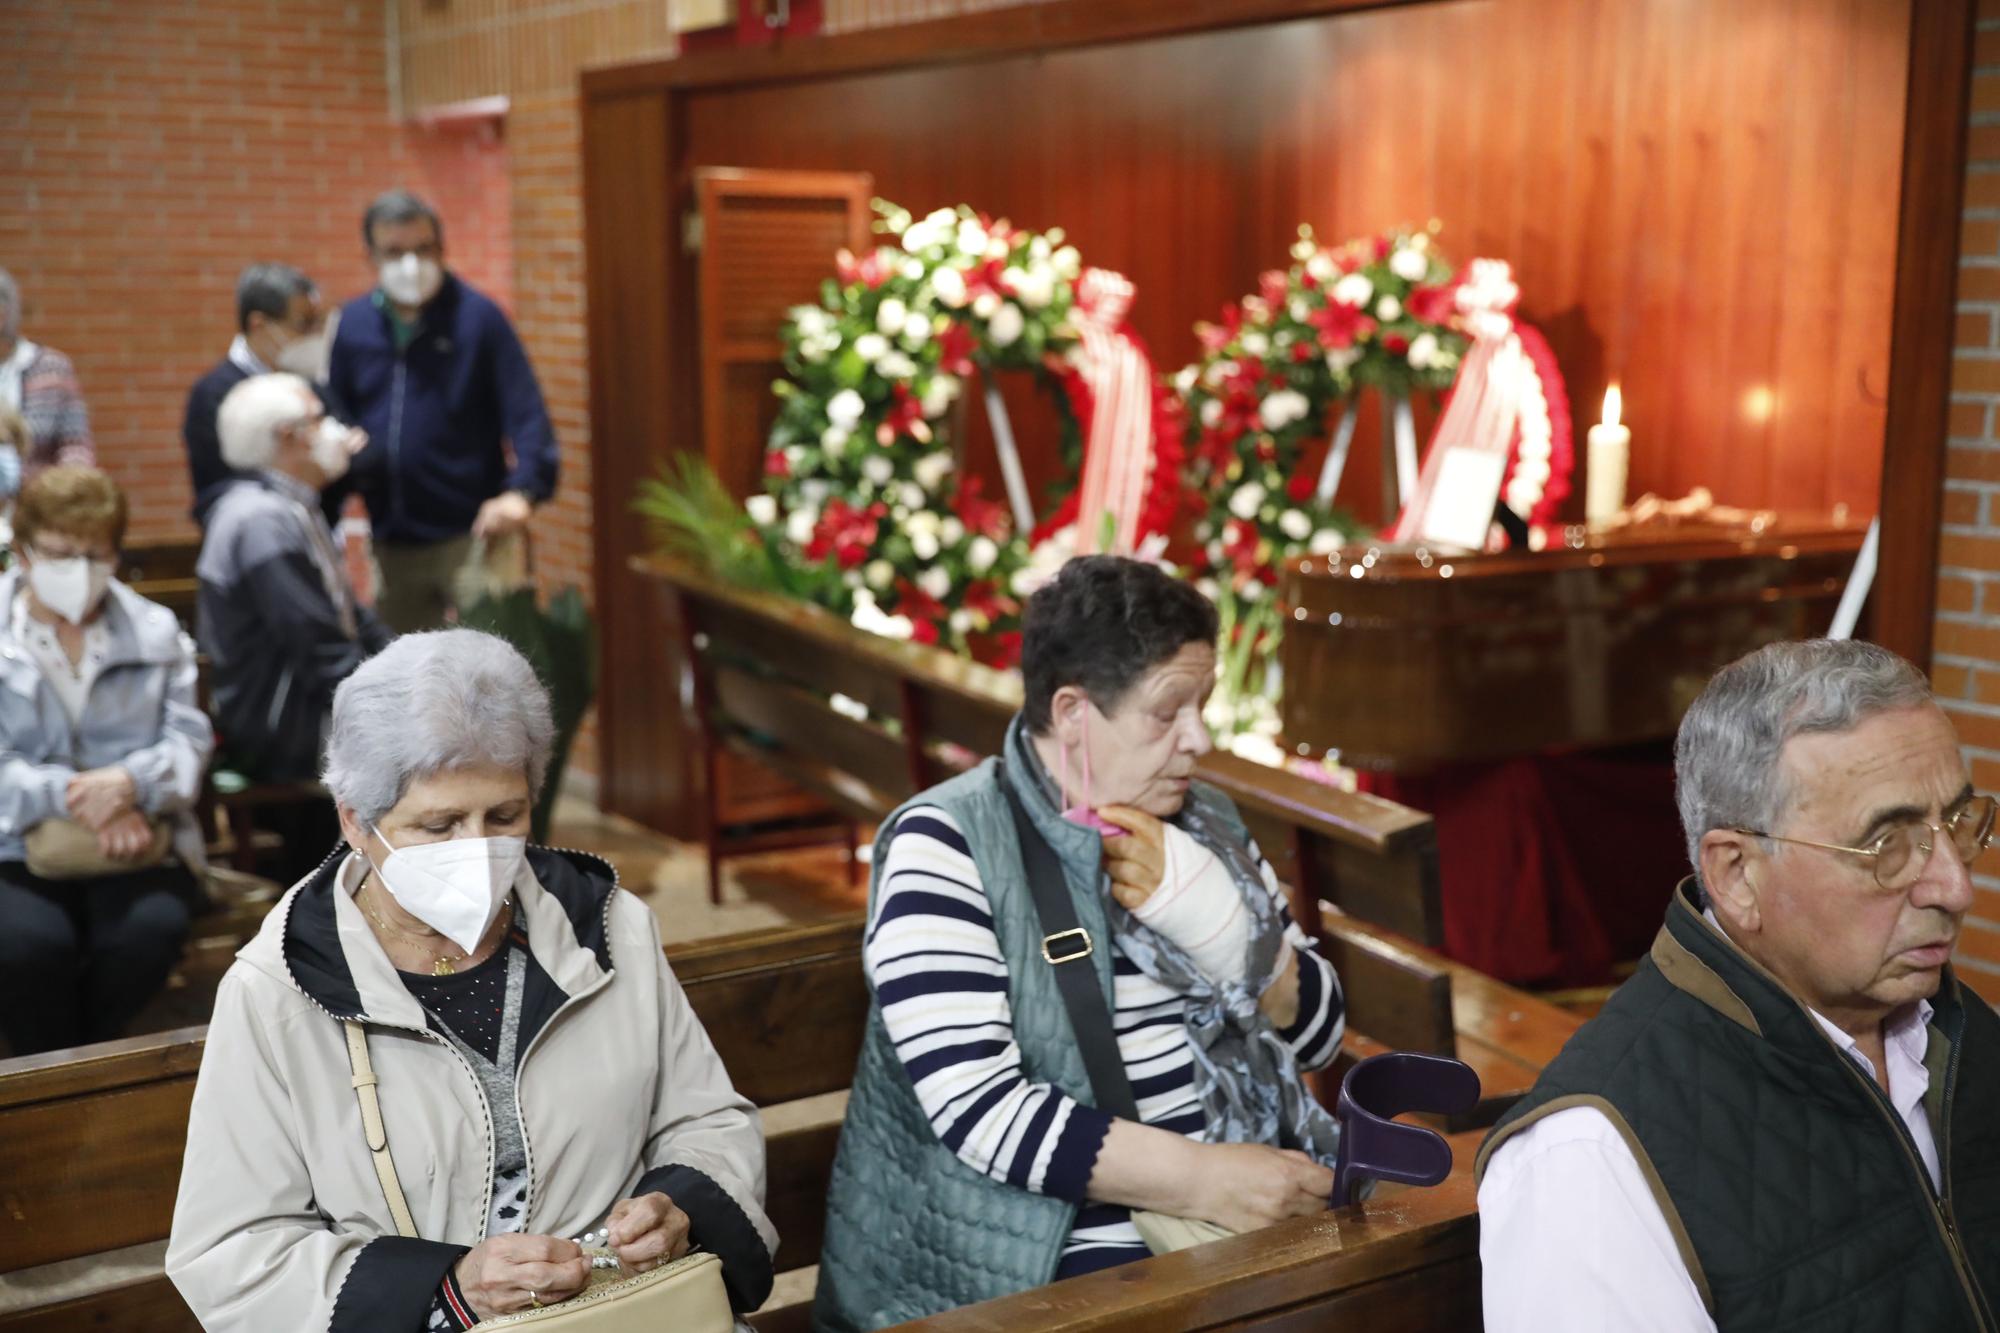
{"x": 685, "y": 1296}
{"x": 60, "y": 849}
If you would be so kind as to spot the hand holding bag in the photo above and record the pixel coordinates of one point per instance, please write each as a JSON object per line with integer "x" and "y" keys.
{"x": 60, "y": 849}
{"x": 685, "y": 1296}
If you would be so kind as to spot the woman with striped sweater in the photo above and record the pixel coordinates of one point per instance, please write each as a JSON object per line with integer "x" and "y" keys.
{"x": 971, "y": 1119}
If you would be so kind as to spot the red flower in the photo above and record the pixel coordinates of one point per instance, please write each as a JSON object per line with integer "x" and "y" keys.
{"x": 775, "y": 464}
{"x": 906, "y": 417}
{"x": 986, "y": 277}
{"x": 1273, "y": 287}
{"x": 1433, "y": 305}
{"x": 1302, "y": 352}
{"x": 1341, "y": 325}
{"x": 926, "y": 612}
{"x": 1300, "y": 487}
{"x": 985, "y": 599}
{"x": 1383, "y": 245}
{"x": 955, "y": 348}
{"x": 987, "y": 518}
{"x": 1215, "y": 337}
{"x": 871, "y": 272}
{"x": 1396, "y": 344}
{"x": 846, "y": 533}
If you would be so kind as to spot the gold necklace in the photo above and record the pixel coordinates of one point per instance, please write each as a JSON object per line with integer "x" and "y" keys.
{"x": 441, "y": 964}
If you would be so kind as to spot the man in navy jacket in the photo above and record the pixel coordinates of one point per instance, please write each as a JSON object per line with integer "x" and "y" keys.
{"x": 460, "y": 449}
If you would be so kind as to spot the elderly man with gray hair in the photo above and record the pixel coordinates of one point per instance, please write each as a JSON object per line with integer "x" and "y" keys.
{"x": 39, "y": 383}
{"x": 1790, "y": 1117}
{"x": 276, "y": 613}
{"x": 508, "y": 1014}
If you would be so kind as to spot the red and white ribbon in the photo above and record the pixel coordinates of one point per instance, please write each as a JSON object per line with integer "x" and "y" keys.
{"x": 1118, "y": 451}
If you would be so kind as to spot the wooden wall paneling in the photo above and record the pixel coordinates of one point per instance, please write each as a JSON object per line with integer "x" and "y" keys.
{"x": 641, "y": 384}
{"x": 1933, "y": 182}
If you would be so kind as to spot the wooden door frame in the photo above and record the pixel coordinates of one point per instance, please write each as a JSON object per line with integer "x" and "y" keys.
{"x": 1922, "y": 313}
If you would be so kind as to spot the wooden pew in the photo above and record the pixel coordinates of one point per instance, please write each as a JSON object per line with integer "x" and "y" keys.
{"x": 764, "y": 669}
{"x": 90, "y": 1141}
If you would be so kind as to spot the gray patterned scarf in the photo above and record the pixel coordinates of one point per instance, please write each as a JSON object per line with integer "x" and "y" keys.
{"x": 1246, "y": 1077}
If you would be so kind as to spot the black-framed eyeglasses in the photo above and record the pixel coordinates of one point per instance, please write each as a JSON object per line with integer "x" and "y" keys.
{"x": 1899, "y": 855}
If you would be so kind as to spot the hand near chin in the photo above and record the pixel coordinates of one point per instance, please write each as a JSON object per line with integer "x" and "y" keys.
{"x": 1137, "y": 862}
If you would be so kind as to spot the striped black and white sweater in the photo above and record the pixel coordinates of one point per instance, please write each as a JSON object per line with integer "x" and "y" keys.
{"x": 935, "y": 962}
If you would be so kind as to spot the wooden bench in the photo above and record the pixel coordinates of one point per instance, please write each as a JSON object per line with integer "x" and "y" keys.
{"x": 90, "y": 1140}
{"x": 765, "y": 671}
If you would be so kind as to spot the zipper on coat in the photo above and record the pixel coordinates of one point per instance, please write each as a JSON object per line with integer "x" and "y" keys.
{"x": 1944, "y": 1173}
{"x": 396, "y": 390}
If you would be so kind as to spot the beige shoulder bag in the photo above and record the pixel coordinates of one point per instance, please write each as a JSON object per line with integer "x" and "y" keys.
{"x": 686, "y": 1295}
{"x": 61, "y": 849}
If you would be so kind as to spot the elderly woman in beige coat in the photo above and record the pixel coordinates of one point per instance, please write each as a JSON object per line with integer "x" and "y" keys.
{"x": 541, "y": 1074}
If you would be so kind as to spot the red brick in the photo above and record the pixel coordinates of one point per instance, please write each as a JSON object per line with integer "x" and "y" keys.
{"x": 1962, "y": 507}
{"x": 1983, "y": 143}
{"x": 1979, "y": 941}
{"x": 1980, "y": 282}
{"x": 1974, "y": 329}
{"x": 1958, "y": 550}
{"x": 1951, "y": 682}
{"x": 1986, "y": 92}
{"x": 1955, "y": 639}
{"x": 1968, "y": 421}
{"x": 1986, "y": 47}
{"x": 1986, "y": 774}
{"x": 1957, "y": 594}
{"x": 1975, "y": 374}
{"x": 1980, "y": 731}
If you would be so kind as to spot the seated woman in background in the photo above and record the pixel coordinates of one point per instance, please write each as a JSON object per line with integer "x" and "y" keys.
{"x": 974, "y": 1161}
{"x": 102, "y": 750}
{"x": 541, "y": 1075}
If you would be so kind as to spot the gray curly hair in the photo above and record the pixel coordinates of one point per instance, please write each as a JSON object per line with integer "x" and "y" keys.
{"x": 432, "y": 702}
{"x": 1726, "y": 769}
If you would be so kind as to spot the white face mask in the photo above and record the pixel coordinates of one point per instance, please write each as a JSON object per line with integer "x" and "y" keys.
{"x": 454, "y": 887}
{"x": 411, "y": 280}
{"x": 306, "y": 356}
{"x": 329, "y": 449}
{"x": 70, "y": 587}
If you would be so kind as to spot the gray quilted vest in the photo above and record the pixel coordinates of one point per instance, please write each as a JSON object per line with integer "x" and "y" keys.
{"x": 1792, "y": 1188}
{"x": 910, "y": 1229}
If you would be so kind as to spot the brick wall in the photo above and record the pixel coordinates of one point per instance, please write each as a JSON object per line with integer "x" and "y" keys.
{"x": 150, "y": 151}
{"x": 1967, "y": 655}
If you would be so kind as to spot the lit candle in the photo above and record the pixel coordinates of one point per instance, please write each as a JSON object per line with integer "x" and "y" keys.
{"x": 1610, "y": 457}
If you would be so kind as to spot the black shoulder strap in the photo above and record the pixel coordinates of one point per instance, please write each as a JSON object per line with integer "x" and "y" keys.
{"x": 1066, "y": 947}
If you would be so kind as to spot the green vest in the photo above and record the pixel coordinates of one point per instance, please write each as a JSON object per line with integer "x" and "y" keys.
{"x": 910, "y": 1229}
{"x": 1791, "y": 1186}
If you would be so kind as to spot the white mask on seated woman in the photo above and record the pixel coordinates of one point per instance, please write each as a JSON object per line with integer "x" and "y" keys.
{"x": 456, "y": 886}
{"x": 71, "y": 587}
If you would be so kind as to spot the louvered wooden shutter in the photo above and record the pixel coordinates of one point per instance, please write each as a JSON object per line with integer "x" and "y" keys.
{"x": 767, "y": 240}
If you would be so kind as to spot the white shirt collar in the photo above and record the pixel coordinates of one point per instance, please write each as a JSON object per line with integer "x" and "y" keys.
{"x": 292, "y": 488}
{"x": 246, "y": 360}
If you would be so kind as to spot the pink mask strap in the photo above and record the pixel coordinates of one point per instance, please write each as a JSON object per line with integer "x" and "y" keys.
{"x": 1086, "y": 759}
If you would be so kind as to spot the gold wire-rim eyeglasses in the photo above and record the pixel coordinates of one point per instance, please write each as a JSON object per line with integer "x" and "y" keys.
{"x": 1969, "y": 832}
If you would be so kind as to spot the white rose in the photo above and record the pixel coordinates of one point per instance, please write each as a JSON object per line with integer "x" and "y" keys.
{"x": 1257, "y": 345}
{"x": 814, "y": 350}
{"x": 1207, "y": 588}
{"x": 1423, "y": 351}
{"x": 1299, "y": 309}
{"x": 985, "y": 305}
{"x": 1322, "y": 268}
{"x": 916, "y": 330}
{"x": 1388, "y": 308}
{"x": 1039, "y": 249}
{"x": 913, "y": 269}
{"x": 1354, "y": 290}
{"x": 979, "y": 557}
{"x": 816, "y": 493}
{"x": 871, "y": 347}
{"x": 932, "y": 469}
{"x": 951, "y": 532}
{"x": 895, "y": 366}
{"x": 1341, "y": 359}
{"x": 936, "y": 582}
{"x": 1324, "y": 542}
{"x": 834, "y": 441}
{"x": 799, "y": 525}
{"x": 939, "y": 395}
{"x": 996, "y": 249}
{"x": 763, "y": 510}
{"x": 880, "y": 573}
{"x": 1248, "y": 499}
{"x": 1295, "y": 525}
{"x": 1007, "y": 325}
{"x": 925, "y": 546}
{"x": 1067, "y": 263}
{"x": 1251, "y": 591}
{"x": 1282, "y": 408}
{"x": 845, "y": 408}
{"x": 1211, "y": 412}
{"x": 949, "y": 284}
{"x": 889, "y": 317}
{"x": 1409, "y": 264}
{"x": 963, "y": 621}
{"x": 911, "y": 495}
{"x": 972, "y": 238}
{"x": 1184, "y": 379}
{"x": 878, "y": 469}
{"x": 811, "y": 321}
{"x": 1035, "y": 287}
{"x": 795, "y": 456}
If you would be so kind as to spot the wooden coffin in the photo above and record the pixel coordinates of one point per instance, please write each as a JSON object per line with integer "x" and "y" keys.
{"x": 1402, "y": 659}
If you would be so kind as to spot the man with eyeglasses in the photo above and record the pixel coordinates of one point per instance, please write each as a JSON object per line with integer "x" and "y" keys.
{"x": 460, "y": 447}
{"x": 1789, "y": 1118}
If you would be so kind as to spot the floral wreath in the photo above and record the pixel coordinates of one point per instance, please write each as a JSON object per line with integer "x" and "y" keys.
{"x": 861, "y": 487}
{"x": 1542, "y": 457}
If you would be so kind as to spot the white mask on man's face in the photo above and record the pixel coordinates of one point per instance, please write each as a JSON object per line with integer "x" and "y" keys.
{"x": 71, "y": 587}
{"x": 329, "y": 449}
{"x": 306, "y": 356}
{"x": 411, "y": 279}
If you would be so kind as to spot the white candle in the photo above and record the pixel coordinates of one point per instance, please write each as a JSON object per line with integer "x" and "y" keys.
{"x": 1610, "y": 457}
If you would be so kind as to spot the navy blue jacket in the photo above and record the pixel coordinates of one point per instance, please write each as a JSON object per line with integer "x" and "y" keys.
{"x": 440, "y": 414}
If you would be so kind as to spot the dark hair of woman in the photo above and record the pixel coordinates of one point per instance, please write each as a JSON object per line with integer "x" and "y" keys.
{"x": 1102, "y": 624}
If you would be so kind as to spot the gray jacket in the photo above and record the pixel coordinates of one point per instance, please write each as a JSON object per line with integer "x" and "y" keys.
{"x": 141, "y": 715}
